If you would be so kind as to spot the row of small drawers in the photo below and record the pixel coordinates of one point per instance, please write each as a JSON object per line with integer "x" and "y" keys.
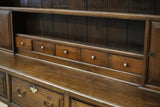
{"x": 26, "y": 94}
{"x": 84, "y": 55}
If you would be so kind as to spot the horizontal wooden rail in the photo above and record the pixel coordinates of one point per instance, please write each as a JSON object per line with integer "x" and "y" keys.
{"x": 117, "y": 15}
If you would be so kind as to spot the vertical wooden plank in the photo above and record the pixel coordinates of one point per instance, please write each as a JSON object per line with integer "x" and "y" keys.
{"x": 34, "y": 3}
{"x": 33, "y": 24}
{"x": 23, "y": 3}
{"x": 9, "y": 87}
{"x": 142, "y": 6}
{"x": 77, "y": 28}
{"x": 118, "y": 5}
{"x": 97, "y": 30}
{"x": 117, "y": 33}
{"x": 60, "y": 4}
{"x": 136, "y": 33}
{"x": 60, "y": 26}
{"x": 146, "y": 51}
{"x": 157, "y": 7}
{"x": 47, "y": 23}
{"x": 154, "y": 58}
{"x": 46, "y": 3}
{"x": 77, "y": 4}
{"x": 97, "y": 5}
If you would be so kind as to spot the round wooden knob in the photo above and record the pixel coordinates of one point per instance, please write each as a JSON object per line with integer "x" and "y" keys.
{"x": 66, "y": 52}
{"x": 93, "y": 57}
{"x": 125, "y": 64}
{"x": 42, "y": 47}
{"x": 22, "y": 43}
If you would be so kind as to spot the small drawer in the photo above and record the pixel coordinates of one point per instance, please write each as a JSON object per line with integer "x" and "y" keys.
{"x": 67, "y": 52}
{"x": 126, "y": 64}
{"x": 43, "y": 47}
{"x": 94, "y": 57}
{"x": 24, "y": 43}
{"x": 75, "y": 103}
{"x": 29, "y": 95}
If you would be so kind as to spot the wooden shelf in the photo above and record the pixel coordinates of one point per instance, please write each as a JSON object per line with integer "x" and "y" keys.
{"x": 86, "y": 13}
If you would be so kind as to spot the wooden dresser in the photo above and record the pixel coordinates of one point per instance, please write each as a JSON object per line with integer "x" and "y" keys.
{"x": 80, "y": 53}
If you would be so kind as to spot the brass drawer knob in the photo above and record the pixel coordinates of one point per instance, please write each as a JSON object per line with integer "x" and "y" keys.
{"x": 22, "y": 43}
{"x": 33, "y": 90}
{"x": 20, "y": 93}
{"x": 125, "y": 64}
{"x": 42, "y": 47}
{"x": 46, "y": 104}
{"x": 93, "y": 57}
{"x": 65, "y": 52}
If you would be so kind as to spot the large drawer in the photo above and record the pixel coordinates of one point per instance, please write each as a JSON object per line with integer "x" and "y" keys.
{"x": 126, "y": 64}
{"x": 94, "y": 57}
{"x": 29, "y": 95}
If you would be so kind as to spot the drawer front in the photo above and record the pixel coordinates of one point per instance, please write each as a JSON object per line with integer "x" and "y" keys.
{"x": 23, "y": 43}
{"x": 75, "y": 103}
{"x": 3, "y": 89}
{"x": 43, "y": 47}
{"x": 126, "y": 64}
{"x": 28, "y": 95}
{"x": 67, "y": 52}
{"x": 94, "y": 57}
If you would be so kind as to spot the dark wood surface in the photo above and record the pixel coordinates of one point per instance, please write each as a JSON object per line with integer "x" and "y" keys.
{"x": 3, "y": 89}
{"x": 133, "y": 6}
{"x": 5, "y": 30}
{"x": 108, "y": 90}
{"x": 154, "y": 68}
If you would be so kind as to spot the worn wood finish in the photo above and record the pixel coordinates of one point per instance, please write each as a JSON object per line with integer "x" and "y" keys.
{"x": 93, "y": 57}
{"x": 5, "y": 30}
{"x": 24, "y": 96}
{"x": 67, "y": 52}
{"x": 3, "y": 89}
{"x": 126, "y": 64}
{"x": 24, "y": 43}
{"x": 154, "y": 68}
{"x": 108, "y": 89}
{"x": 128, "y": 77}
